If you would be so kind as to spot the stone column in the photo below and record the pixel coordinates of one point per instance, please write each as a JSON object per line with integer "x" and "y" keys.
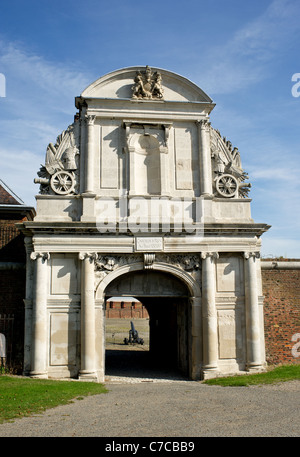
{"x": 28, "y": 306}
{"x": 209, "y": 315}
{"x": 196, "y": 338}
{"x": 39, "y": 316}
{"x": 205, "y": 157}
{"x": 254, "y": 356}
{"x": 88, "y": 370}
{"x": 89, "y": 162}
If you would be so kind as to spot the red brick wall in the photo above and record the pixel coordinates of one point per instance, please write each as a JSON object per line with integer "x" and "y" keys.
{"x": 126, "y": 310}
{"x": 281, "y": 289}
{"x": 12, "y": 289}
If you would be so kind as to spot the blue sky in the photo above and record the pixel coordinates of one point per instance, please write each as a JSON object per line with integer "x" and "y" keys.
{"x": 242, "y": 54}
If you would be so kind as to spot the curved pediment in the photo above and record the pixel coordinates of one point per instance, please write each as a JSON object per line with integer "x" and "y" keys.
{"x": 123, "y": 84}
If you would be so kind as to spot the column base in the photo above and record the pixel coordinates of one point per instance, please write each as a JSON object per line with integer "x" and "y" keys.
{"x": 210, "y": 373}
{"x": 88, "y": 376}
{"x": 255, "y": 368}
{"x": 38, "y": 375}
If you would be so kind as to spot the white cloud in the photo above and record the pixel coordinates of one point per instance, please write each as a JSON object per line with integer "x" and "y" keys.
{"x": 53, "y": 78}
{"x": 252, "y": 51}
{"x": 39, "y": 105}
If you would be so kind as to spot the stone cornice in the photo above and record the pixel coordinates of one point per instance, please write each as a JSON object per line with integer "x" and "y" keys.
{"x": 89, "y": 228}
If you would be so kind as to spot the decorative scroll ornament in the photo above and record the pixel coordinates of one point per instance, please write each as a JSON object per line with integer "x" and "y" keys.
{"x": 37, "y": 255}
{"x": 229, "y": 177}
{"x": 248, "y": 255}
{"x": 60, "y": 174}
{"x": 148, "y": 85}
{"x": 149, "y": 259}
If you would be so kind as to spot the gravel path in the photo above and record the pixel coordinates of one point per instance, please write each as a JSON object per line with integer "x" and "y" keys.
{"x": 170, "y": 408}
{"x": 143, "y": 402}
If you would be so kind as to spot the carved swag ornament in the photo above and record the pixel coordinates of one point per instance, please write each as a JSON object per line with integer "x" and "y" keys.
{"x": 105, "y": 264}
{"x": 148, "y": 85}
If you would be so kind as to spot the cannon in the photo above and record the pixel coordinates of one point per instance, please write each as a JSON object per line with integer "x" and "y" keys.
{"x": 133, "y": 336}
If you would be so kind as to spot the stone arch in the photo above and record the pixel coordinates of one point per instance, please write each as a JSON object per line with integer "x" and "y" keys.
{"x": 177, "y": 323}
{"x": 192, "y": 286}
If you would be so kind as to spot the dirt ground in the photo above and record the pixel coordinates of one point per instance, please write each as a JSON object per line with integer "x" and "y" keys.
{"x": 118, "y": 329}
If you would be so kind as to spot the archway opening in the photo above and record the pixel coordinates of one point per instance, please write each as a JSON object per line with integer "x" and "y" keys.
{"x": 162, "y": 319}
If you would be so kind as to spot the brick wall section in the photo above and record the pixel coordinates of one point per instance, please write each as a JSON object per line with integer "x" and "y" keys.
{"x": 11, "y": 242}
{"x": 281, "y": 289}
{"x": 12, "y": 287}
{"x": 125, "y": 310}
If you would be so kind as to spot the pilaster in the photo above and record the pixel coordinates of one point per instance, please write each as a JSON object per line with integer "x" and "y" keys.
{"x": 89, "y": 164}
{"x": 205, "y": 157}
{"x": 254, "y": 356}
{"x": 88, "y": 350}
{"x": 39, "y": 316}
{"x": 209, "y": 315}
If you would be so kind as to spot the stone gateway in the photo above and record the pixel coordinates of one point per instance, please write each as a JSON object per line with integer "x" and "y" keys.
{"x": 142, "y": 197}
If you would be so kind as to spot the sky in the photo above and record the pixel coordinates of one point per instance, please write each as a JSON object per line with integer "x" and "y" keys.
{"x": 244, "y": 55}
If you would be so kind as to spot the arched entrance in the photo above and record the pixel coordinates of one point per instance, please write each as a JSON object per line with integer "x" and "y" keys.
{"x": 167, "y": 300}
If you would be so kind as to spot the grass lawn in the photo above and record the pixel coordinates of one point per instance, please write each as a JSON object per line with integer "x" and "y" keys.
{"x": 273, "y": 375}
{"x": 21, "y": 397}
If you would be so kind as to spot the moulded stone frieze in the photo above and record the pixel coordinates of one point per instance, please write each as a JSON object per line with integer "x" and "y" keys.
{"x": 109, "y": 263}
{"x": 186, "y": 262}
{"x": 106, "y": 264}
{"x": 191, "y": 264}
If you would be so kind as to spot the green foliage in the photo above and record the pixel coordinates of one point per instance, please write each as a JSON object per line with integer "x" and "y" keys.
{"x": 278, "y": 374}
{"x": 21, "y": 397}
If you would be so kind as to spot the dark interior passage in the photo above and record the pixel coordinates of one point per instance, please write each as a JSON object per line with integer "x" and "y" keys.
{"x": 167, "y": 354}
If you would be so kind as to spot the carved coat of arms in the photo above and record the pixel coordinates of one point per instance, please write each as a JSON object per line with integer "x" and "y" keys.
{"x": 148, "y": 85}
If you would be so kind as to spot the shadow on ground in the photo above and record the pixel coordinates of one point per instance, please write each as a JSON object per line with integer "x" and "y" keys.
{"x": 136, "y": 362}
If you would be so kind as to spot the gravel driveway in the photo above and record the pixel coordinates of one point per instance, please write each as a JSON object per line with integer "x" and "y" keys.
{"x": 146, "y": 403}
{"x": 170, "y": 408}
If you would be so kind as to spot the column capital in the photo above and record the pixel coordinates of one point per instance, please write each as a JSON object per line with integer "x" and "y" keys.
{"x": 88, "y": 255}
{"x": 214, "y": 255}
{"x": 36, "y": 255}
{"x": 254, "y": 254}
{"x": 90, "y": 119}
{"x": 203, "y": 123}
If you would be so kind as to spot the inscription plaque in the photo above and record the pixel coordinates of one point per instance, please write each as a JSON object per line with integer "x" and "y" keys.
{"x": 153, "y": 243}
